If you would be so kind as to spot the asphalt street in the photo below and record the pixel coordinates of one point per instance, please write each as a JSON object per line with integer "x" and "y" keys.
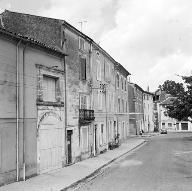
{"x": 164, "y": 163}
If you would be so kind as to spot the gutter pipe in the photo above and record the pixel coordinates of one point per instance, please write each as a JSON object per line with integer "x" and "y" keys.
{"x": 24, "y": 171}
{"x": 17, "y": 111}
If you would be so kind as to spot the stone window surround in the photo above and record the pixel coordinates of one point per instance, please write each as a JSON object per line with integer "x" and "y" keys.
{"x": 55, "y": 73}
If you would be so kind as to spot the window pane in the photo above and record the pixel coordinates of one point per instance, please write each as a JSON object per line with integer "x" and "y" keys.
{"x": 49, "y": 88}
{"x": 85, "y": 139}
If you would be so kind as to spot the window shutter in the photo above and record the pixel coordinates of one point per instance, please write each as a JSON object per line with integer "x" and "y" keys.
{"x": 83, "y": 68}
{"x": 58, "y": 90}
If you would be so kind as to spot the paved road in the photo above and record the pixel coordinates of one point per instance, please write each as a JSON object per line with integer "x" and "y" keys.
{"x": 164, "y": 163}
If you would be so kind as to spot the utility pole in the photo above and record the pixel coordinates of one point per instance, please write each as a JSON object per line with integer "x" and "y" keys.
{"x": 81, "y": 24}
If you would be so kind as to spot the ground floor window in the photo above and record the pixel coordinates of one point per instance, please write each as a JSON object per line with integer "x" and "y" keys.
{"x": 112, "y": 130}
{"x": 102, "y": 134}
{"x": 184, "y": 126}
{"x": 84, "y": 138}
{"x": 169, "y": 125}
{"x": 177, "y": 125}
{"x": 163, "y": 125}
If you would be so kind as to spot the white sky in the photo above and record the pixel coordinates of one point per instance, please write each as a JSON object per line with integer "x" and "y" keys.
{"x": 152, "y": 39}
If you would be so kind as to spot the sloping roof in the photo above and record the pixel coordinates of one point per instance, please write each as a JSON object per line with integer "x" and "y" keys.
{"x": 150, "y": 93}
{"x": 168, "y": 101}
{"x": 138, "y": 87}
{"x": 30, "y": 41}
{"x": 55, "y": 25}
{"x": 122, "y": 69}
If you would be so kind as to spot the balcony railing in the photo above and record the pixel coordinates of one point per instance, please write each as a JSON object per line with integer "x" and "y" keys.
{"x": 86, "y": 116}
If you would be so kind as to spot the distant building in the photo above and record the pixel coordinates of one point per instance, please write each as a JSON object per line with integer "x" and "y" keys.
{"x": 148, "y": 107}
{"x": 168, "y": 123}
{"x": 121, "y": 101}
{"x": 136, "y": 111}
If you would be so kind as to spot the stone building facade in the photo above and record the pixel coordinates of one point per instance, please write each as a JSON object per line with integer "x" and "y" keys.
{"x": 121, "y": 101}
{"x": 148, "y": 107}
{"x": 32, "y": 95}
{"x": 87, "y": 110}
{"x": 136, "y": 111}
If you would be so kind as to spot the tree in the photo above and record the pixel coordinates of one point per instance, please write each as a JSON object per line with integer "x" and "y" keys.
{"x": 181, "y": 109}
{"x": 173, "y": 88}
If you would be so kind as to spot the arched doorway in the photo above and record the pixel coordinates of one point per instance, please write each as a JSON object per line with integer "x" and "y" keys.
{"x": 51, "y": 143}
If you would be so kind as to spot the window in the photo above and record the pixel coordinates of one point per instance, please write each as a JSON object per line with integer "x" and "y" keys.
{"x": 125, "y": 85}
{"x": 63, "y": 40}
{"x": 122, "y": 83}
{"x": 109, "y": 130}
{"x": 84, "y": 139}
{"x": 117, "y": 80}
{"x": 119, "y": 105}
{"x": 103, "y": 135}
{"x": 184, "y": 126}
{"x": 49, "y": 88}
{"x": 100, "y": 100}
{"x": 98, "y": 70}
{"x": 163, "y": 125}
{"x": 122, "y": 105}
{"x": 81, "y": 44}
{"x": 126, "y": 107}
{"x": 169, "y": 124}
{"x": 82, "y": 68}
{"x": 107, "y": 71}
{"x": 112, "y": 132}
{"x": 83, "y": 102}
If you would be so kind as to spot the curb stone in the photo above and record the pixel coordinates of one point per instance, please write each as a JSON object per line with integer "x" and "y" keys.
{"x": 96, "y": 173}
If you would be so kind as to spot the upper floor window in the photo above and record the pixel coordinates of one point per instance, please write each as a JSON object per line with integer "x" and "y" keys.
{"x": 126, "y": 107}
{"x": 100, "y": 100}
{"x": 49, "y": 88}
{"x": 123, "y": 109}
{"x": 81, "y": 44}
{"x": 117, "y": 80}
{"x": 84, "y": 102}
{"x": 107, "y": 71}
{"x": 122, "y": 83}
{"x": 82, "y": 68}
{"x": 119, "y": 105}
{"x": 99, "y": 70}
{"x": 125, "y": 85}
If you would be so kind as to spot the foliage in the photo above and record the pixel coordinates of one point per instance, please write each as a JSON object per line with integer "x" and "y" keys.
{"x": 173, "y": 88}
{"x": 181, "y": 109}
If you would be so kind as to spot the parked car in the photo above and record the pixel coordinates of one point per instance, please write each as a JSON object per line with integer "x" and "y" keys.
{"x": 163, "y": 131}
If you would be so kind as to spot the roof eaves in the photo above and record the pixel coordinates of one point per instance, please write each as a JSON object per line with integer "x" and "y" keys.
{"x": 31, "y": 40}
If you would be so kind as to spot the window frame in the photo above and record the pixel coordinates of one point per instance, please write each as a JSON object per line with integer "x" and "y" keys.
{"x": 56, "y": 83}
{"x": 83, "y": 61}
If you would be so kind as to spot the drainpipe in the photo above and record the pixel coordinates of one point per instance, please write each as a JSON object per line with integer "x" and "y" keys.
{"x": 24, "y": 111}
{"x": 65, "y": 84}
{"x": 17, "y": 111}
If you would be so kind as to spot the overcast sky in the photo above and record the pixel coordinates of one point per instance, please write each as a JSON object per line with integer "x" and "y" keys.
{"x": 152, "y": 39}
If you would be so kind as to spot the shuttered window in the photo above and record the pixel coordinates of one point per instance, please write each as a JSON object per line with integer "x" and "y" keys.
{"x": 98, "y": 70}
{"x": 117, "y": 81}
{"x": 84, "y": 139}
{"x": 49, "y": 88}
{"x": 83, "y": 100}
{"x": 83, "y": 68}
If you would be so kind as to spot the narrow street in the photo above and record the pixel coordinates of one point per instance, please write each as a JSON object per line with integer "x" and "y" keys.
{"x": 163, "y": 163}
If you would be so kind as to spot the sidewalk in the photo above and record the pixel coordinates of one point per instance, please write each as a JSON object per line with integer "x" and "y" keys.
{"x": 68, "y": 176}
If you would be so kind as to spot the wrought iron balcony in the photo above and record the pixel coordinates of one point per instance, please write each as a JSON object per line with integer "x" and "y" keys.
{"x": 86, "y": 116}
